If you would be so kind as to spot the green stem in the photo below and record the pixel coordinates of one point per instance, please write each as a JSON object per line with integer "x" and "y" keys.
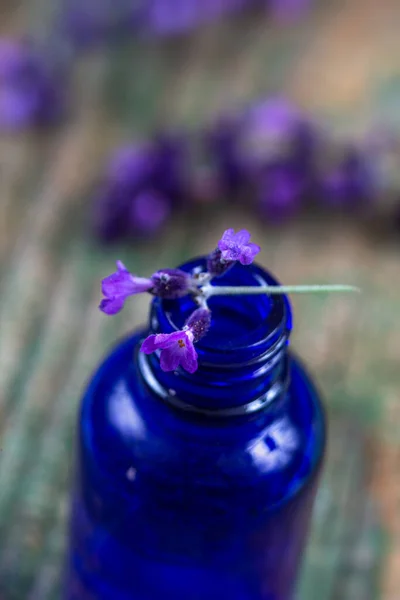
{"x": 210, "y": 290}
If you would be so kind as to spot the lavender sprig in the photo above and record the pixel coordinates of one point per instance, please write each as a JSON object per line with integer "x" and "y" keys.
{"x": 177, "y": 348}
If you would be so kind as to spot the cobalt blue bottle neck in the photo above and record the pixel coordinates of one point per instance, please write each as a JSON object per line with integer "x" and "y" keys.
{"x": 243, "y": 359}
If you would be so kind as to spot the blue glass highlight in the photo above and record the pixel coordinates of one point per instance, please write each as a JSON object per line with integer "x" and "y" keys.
{"x": 198, "y": 487}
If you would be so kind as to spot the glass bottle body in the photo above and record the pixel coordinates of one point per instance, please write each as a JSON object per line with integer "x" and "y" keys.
{"x": 178, "y": 501}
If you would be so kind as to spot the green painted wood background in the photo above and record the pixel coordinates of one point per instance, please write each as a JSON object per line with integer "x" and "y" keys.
{"x": 342, "y": 62}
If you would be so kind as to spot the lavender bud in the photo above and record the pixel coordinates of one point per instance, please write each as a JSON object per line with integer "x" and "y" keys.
{"x": 171, "y": 283}
{"x": 216, "y": 265}
{"x": 199, "y": 323}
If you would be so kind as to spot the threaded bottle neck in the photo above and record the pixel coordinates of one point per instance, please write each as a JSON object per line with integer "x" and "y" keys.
{"x": 243, "y": 362}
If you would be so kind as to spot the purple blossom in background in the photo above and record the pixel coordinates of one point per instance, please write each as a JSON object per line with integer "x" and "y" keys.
{"x": 221, "y": 141}
{"x": 131, "y": 165}
{"x": 171, "y": 17}
{"x": 349, "y": 182}
{"x": 109, "y": 212}
{"x": 280, "y": 190}
{"x": 31, "y": 89}
{"x": 176, "y": 350}
{"x": 171, "y": 170}
{"x": 274, "y": 130}
{"x": 270, "y": 133}
{"x": 237, "y": 246}
{"x": 288, "y": 11}
{"x": 87, "y": 23}
{"x": 118, "y": 286}
{"x": 149, "y": 211}
{"x": 141, "y": 186}
{"x": 381, "y": 150}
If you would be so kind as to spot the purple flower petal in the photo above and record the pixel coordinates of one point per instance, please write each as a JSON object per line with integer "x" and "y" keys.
{"x": 242, "y": 237}
{"x": 118, "y": 286}
{"x": 160, "y": 341}
{"x": 199, "y": 323}
{"x": 170, "y": 359}
{"x": 189, "y": 360}
{"x": 236, "y": 246}
{"x": 248, "y": 253}
{"x": 149, "y": 345}
{"x": 176, "y": 349}
{"x": 124, "y": 283}
{"x": 111, "y": 306}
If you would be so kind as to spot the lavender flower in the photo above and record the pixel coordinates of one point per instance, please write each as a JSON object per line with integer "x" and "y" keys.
{"x": 274, "y": 130}
{"x": 169, "y": 17}
{"x": 119, "y": 286}
{"x": 199, "y": 323}
{"x": 267, "y": 133}
{"x": 141, "y": 186}
{"x": 90, "y": 22}
{"x": 171, "y": 283}
{"x": 87, "y": 23}
{"x": 280, "y": 190}
{"x": 131, "y": 166}
{"x": 216, "y": 266}
{"x": 349, "y": 181}
{"x": 171, "y": 165}
{"x": 177, "y": 348}
{"x": 231, "y": 247}
{"x": 288, "y": 10}
{"x": 237, "y": 246}
{"x": 148, "y": 212}
{"x": 31, "y": 92}
{"x": 221, "y": 142}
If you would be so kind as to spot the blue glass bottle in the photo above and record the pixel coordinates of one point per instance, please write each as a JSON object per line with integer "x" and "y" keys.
{"x": 198, "y": 487}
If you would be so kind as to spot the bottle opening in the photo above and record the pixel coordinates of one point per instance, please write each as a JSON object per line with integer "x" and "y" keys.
{"x": 242, "y": 361}
{"x": 243, "y": 327}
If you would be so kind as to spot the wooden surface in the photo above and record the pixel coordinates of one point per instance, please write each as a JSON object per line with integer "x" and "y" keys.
{"x": 342, "y": 62}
